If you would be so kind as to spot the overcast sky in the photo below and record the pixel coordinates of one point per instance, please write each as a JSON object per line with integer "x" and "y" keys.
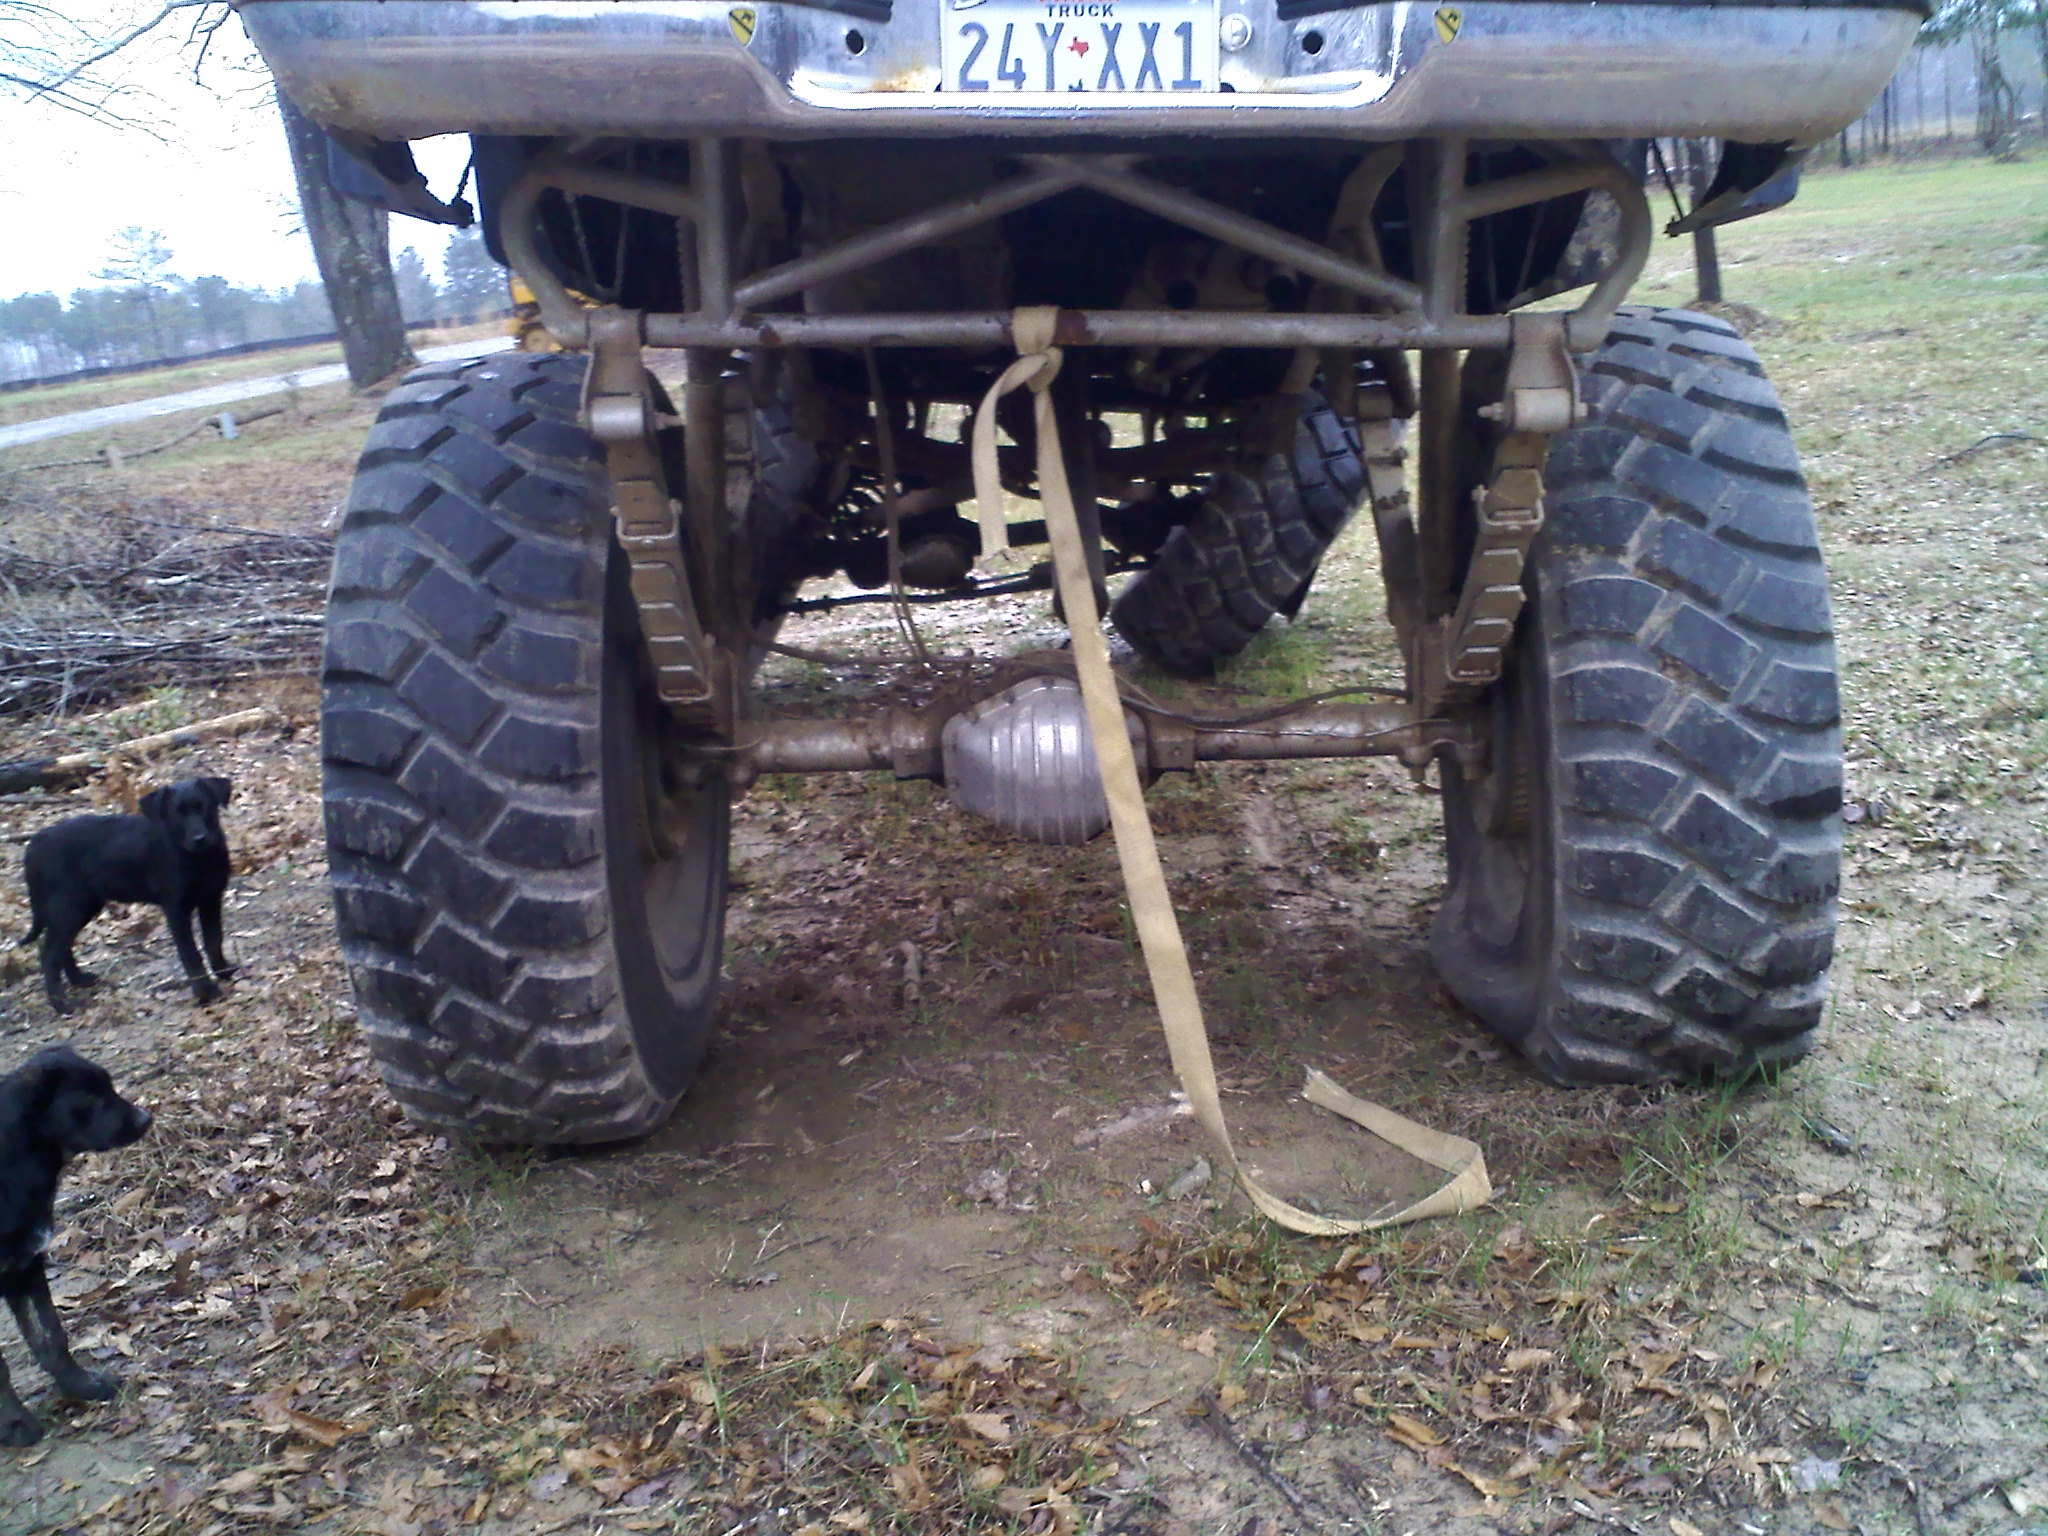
{"x": 215, "y": 177}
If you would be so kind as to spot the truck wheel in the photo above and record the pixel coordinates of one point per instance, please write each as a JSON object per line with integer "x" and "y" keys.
{"x": 1642, "y": 887}
{"x": 532, "y": 916}
{"x": 1249, "y": 552}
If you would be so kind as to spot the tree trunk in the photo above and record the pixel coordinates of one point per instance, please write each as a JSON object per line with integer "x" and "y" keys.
{"x": 1997, "y": 102}
{"x": 1706, "y": 256}
{"x": 2041, "y": 46}
{"x": 352, "y": 244}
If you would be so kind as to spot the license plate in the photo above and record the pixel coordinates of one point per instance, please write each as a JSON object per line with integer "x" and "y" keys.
{"x": 1079, "y": 47}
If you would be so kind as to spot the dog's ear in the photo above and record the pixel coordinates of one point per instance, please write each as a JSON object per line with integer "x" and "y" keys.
{"x": 156, "y": 805}
{"x": 221, "y": 790}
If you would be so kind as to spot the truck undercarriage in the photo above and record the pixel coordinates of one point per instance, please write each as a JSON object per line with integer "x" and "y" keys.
{"x": 551, "y": 594}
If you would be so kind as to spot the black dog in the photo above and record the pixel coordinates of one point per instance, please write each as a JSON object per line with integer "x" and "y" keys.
{"x": 56, "y": 1107}
{"x": 174, "y": 854}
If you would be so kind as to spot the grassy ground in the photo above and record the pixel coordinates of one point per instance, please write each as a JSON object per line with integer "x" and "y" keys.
{"x": 883, "y": 1272}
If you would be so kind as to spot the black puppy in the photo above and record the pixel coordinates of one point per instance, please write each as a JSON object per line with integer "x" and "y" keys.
{"x": 56, "y": 1107}
{"x": 174, "y": 854}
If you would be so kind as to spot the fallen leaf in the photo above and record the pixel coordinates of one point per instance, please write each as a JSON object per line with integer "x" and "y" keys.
{"x": 1229, "y": 1395}
{"x": 1203, "y": 1344}
{"x": 421, "y": 1297}
{"x": 983, "y": 1479}
{"x": 326, "y": 1431}
{"x": 1412, "y": 1433}
{"x": 909, "y": 1482}
{"x": 276, "y": 1411}
{"x": 1829, "y": 1513}
{"x": 1158, "y": 1298}
{"x": 1684, "y": 1528}
{"x": 1527, "y": 1359}
{"x": 549, "y": 1484}
{"x": 1687, "y": 1439}
{"x": 1491, "y": 1488}
{"x": 584, "y": 1459}
{"x": 993, "y": 1427}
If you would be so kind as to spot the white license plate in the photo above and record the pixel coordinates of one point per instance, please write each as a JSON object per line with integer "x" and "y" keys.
{"x": 1079, "y": 47}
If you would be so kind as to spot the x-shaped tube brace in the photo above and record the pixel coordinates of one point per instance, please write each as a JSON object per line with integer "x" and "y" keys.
{"x": 1050, "y": 175}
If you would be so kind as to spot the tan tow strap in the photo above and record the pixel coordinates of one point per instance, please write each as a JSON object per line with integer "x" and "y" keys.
{"x": 1166, "y": 957}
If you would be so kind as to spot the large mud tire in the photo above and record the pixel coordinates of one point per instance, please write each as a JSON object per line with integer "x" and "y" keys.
{"x": 531, "y": 917}
{"x": 1644, "y": 886}
{"x": 1248, "y": 553}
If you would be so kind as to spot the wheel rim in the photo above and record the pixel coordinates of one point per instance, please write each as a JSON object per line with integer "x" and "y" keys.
{"x": 1501, "y": 846}
{"x": 1492, "y": 936}
{"x": 665, "y": 847}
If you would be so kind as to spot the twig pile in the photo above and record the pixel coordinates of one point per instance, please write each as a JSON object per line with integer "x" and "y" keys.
{"x": 138, "y": 601}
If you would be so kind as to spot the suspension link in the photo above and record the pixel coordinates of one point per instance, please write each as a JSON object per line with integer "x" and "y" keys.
{"x": 619, "y": 406}
{"x": 1462, "y": 654}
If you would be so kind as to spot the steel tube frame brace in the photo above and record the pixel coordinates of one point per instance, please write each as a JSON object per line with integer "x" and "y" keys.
{"x": 1453, "y": 651}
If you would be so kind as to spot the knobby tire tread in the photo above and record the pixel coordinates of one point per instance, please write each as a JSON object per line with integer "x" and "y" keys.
{"x": 463, "y": 796}
{"x": 1695, "y": 753}
{"x": 1248, "y": 553}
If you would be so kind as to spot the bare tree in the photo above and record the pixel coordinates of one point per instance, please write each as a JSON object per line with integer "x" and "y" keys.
{"x": 352, "y": 244}
{"x": 141, "y": 268}
{"x": 1700, "y": 158}
{"x": 2037, "y": 17}
{"x": 49, "y": 55}
{"x": 1983, "y": 24}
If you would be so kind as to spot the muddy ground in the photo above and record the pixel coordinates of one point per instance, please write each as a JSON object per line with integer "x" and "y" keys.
{"x": 926, "y": 1247}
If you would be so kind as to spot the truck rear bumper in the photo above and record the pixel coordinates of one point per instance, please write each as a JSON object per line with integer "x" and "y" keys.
{"x": 1491, "y": 68}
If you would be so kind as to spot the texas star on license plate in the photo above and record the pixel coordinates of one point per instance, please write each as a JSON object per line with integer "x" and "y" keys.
{"x": 1095, "y": 47}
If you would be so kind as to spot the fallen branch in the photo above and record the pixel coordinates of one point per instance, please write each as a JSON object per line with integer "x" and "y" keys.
{"x": 113, "y": 458}
{"x": 1211, "y": 1413}
{"x": 52, "y": 772}
{"x": 55, "y": 667}
{"x": 1980, "y": 445}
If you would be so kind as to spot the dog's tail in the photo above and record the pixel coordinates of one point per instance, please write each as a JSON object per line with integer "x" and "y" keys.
{"x": 32, "y": 935}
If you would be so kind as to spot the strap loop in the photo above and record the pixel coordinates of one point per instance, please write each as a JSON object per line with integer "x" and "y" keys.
{"x": 1166, "y": 958}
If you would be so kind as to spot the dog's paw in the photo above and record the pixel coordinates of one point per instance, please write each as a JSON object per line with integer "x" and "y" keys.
{"x": 83, "y": 1386}
{"x": 206, "y": 991}
{"x": 85, "y": 978}
{"x": 20, "y": 1428}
